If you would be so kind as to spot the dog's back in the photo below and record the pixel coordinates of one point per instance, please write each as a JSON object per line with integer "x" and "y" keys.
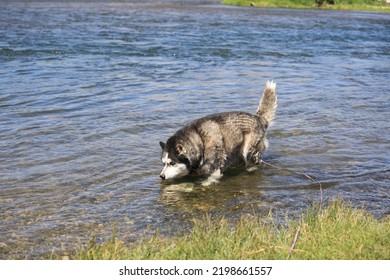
{"x": 227, "y": 137}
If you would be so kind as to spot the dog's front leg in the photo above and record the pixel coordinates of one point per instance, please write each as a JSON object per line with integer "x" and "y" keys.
{"x": 213, "y": 169}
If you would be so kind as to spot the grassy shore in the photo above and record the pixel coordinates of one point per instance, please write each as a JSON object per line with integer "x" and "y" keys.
{"x": 336, "y": 232}
{"x": 360, "y": 5}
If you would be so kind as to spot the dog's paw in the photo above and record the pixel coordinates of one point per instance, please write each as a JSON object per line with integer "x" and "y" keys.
{"x": 252, "y": 168}
{"x": 213, "y": 179}
{"x": 209, "y": 182}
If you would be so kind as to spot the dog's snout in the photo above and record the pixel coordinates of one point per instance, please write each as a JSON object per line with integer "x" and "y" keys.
{"x": 162, "y": 176}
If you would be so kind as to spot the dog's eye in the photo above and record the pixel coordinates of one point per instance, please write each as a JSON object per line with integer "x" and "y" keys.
{"x": 172, "y": 163}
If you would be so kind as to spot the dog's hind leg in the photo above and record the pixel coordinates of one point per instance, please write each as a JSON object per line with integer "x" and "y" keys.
{"x": 254, "y": 145}
{"x": 253, "y": 160}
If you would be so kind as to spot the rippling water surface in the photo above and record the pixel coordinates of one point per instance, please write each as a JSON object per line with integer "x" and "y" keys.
{"x": 88, "y": 89}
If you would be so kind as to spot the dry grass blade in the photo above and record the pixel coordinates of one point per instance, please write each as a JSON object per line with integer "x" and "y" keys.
{"x": 294, "y": 242}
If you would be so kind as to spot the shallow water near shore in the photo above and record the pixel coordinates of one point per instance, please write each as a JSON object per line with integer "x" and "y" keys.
{"x": 87, "y": 90}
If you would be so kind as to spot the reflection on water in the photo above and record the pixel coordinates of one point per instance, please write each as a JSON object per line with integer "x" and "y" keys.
{"x": 242, "y": 191}
{"x": 87, "y": 90}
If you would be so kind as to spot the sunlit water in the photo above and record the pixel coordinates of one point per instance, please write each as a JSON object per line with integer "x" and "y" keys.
{"x": 88, "y": 89}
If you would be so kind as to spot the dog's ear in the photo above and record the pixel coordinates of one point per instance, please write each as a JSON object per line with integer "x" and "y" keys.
{"x": 180, "y": 148}
{"x": 162, "y": 145}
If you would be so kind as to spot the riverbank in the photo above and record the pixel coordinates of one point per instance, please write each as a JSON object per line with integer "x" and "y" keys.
{"x": 356, "y": 5}
{"x": 336, "y": 232}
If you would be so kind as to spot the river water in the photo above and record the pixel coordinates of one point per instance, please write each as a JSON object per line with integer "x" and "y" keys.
{"x": 87, "y": 89}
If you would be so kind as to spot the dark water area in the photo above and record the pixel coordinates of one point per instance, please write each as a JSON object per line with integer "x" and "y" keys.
{"x": 87, "y": 90}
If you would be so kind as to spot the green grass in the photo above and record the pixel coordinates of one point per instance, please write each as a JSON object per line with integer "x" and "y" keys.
{"x": 336, "y": 232}
{"x": 362, "y": 5}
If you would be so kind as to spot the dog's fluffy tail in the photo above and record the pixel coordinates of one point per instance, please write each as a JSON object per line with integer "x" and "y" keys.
{"x": 268, "y": 102}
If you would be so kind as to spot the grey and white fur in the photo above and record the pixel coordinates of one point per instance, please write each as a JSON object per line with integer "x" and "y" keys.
{"x": 210, "y": 145}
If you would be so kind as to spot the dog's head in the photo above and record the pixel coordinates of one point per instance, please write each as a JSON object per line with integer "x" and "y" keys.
{"x": 176, "y": 163}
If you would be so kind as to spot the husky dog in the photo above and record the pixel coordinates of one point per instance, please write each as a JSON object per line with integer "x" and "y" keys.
{"x": 209, "y": 145}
